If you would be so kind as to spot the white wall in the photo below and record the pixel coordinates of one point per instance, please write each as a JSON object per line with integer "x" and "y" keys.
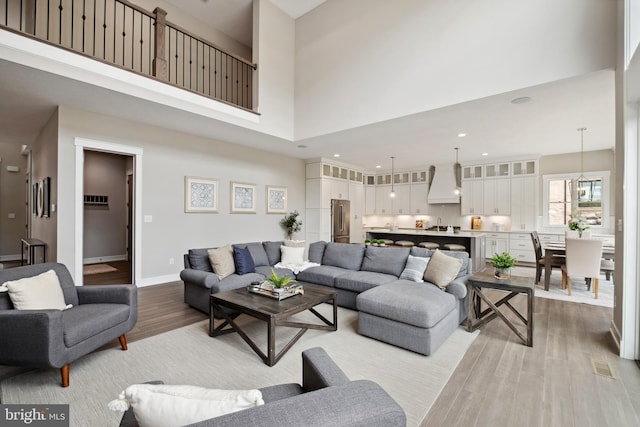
{"x": 348, "y": 54}
{"x": 12, "y": 200}
{"x": 167, "y": 158}
{"x": 105, "y": 232}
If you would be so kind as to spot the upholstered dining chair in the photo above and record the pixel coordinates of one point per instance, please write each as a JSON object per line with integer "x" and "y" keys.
{"x": 557, "y": 261}
{"x": 575, "y": 234}
{"x": 84, "y": 318}
{"x": 583, "y": 260}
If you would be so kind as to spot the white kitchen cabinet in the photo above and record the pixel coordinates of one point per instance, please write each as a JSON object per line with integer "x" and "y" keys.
{"x": 356, "y": 196}
{"x": 369, "y": 200}
{"x": 524, "y": 206}
{"x": 339, "y": 189}
{"x": 497, "y": 243}
{"x": 524, "y": 167}
{"x": 497, "y": 196}
{"x": 401, "y": 204}
{"x": 384, "y": 205}
{"x": 419, "y": 192}
{"x": 472, "y": 172}
{"x": 497, "y": 170}
{"x": 472, "y": 197}
{"x": 521, "y": 247}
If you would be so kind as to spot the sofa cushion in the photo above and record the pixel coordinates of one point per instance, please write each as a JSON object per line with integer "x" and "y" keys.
{"x": 360, "y": 281}
{"x": 88, "y": 320}
{"x": 385, "y": 260}
{"x": 243, "y": 261}
{"x": 199, "y": 260}
{"x": 222, "y": 261}
{"x": 321, "y": 275}
{"x": 418, "y": 304}
{"x": 415, "y": 268}
{"x": 316, "y": 251}
{"x": 292, "y": 255}
{"x": 343, "y": 255}
{"x": 265, "y": 270}
{"x": 442, "y": 269}
{"x": 464, "y": 256}
{"x": 257, "y": 251}
{"x": 40, "y": 292}
{"x": 236, "y": 281}
{"x": 273, "y": 251}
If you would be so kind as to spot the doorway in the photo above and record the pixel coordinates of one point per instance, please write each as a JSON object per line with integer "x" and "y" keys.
{"x": 108, "y": 219}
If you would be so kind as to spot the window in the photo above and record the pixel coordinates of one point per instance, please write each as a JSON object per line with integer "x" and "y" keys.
{"x": 566, "y": 195}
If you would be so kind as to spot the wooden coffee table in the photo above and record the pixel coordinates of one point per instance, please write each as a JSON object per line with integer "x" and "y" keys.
{"x": 514, "y": 286}
{"x": 274, "y": 312}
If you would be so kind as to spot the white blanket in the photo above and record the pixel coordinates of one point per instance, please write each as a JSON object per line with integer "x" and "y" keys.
{"x": 296, "y": 268}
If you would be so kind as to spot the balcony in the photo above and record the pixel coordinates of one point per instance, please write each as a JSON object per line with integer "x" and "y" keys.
{"x": 126, "y": 36}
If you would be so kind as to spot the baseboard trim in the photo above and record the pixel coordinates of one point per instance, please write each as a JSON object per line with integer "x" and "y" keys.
{"x": 109, "y": 258}
{"x": 615, "y": 334}
{"x": 9, "y": 257}
{"x": 158, "y": 280}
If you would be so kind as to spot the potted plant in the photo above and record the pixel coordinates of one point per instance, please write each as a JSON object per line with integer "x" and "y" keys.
{"x": 577, "y": 224}
{"x": 367, "y": 242}
{"x": 291, "y": 224}
{"x": 502, "y": 264}
{"x": 278, "y": 282}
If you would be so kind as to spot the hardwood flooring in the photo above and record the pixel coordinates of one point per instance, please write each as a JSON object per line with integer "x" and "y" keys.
{"x": 501, "y": 382}
{"x": 121, "y": 275}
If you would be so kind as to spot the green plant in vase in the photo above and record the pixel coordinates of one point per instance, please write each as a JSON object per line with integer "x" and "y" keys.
{"x": 278, "y": 282}
{"x": 502, "y": 264}
{"x": 291, "y": 224}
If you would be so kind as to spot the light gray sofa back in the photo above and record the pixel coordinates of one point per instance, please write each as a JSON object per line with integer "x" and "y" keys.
{"x": 344, "y": 255}
{"x": 316, "y": 251}
{"x": 258, "y": 253}
{"x": 464, "y": 256}
{"x": 273, "y": 251}
{"x": 385, "y": 260}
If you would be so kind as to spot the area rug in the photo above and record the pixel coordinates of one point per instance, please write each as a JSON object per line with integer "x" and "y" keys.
{"x": 579, "y": 292}
{"x": 189, "y": 356}
{"x": 98, "y": 268}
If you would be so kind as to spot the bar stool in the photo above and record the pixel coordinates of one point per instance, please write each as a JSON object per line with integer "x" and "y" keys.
{"x": 455, "y": 247}
{"x": 429, "y": 245}
{"x": 387, "y": 241}
{"x": 404, "y": 244}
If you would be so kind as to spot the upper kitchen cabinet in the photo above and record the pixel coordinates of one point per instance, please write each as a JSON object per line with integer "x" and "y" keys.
{"x": 472, "y": 172}
{"x": 472, "y": 198}
{"x": 497, "y": 196}
{"x": 524, "y": 209}
{"x": 419, "y": 192}
{"x": 497, "y": 170}
{"x": 525, "y": 167}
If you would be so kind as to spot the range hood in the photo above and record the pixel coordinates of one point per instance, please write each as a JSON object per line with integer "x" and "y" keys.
{"x": 444, "y": 184}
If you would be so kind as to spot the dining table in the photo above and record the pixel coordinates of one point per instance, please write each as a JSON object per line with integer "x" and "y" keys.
{"x": 552, "y": 249}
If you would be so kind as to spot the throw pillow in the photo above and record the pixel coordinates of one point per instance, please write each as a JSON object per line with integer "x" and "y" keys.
{"x": 414, "y": 269}
{"x": 292, "y": 256}
{"x": 442, "y": 269}
{"x": 222, "y": 261}
{"x": 243, "y": 260}
{"x": 295, "y": 243}
{"x": 160, "y": 405}
{"x": 39, "y": 292}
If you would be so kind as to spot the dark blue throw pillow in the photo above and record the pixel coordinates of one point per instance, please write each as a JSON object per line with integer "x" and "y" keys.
{"x": 243, "y": 260}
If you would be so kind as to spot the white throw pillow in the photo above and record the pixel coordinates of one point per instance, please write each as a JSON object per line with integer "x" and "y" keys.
{"x": 414, "y": 268}
{"x": 221, "y": 260}
{"x": 442, "y": 269}
{"x": 162, "y": 405}
{"x": 39, "y": 292}
{"x": 291, "y": 256}
{"x": 295, "y": 243}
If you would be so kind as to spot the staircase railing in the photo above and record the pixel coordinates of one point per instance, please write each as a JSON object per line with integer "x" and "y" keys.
{"x": 127, "y": 36}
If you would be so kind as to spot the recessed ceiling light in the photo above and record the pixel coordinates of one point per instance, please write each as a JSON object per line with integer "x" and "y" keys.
{"x": 302, "y": 146}
{"x": 485, "y": 154}
{"x": 336, "y": 155}
{"x": 378, "y": 166}
{"x": 462, "y": 135}
{"x": 521, "y": 100}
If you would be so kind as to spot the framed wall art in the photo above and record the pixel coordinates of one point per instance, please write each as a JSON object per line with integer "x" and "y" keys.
{"x": 243, "y": 198}
{"x": 34, "y": 198}
{"x": 46, "y": 197}
{"x": 200, "y": 195}
{"x": 276, "y": 199}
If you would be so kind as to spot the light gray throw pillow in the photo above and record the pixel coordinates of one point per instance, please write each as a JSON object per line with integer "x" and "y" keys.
{"x": 414, "y": 269}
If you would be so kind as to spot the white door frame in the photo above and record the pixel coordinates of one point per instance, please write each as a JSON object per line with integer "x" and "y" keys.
{"x": 107, "y": 147}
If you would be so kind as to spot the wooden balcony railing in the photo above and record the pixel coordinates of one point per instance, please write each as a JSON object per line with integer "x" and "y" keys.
{"x": 127, "y": 36}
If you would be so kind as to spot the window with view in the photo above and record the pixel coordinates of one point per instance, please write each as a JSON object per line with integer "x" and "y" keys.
{"x": 584, "y": 197}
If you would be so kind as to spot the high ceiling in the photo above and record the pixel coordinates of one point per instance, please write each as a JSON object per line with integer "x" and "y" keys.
{"x": 545, "y": 125}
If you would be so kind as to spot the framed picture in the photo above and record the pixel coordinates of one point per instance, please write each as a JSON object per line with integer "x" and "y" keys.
{"x": 200, "y": 195}
{"x": 34, "y": 198}
{"x": 276, "y": 200}
{"x": 243, "y": 198}
{"x": 46, "y": 197}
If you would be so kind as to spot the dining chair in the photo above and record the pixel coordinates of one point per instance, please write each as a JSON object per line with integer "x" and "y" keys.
{"x": 557, "y": 261}
{"x": 583, "y": 260}
{"x": 574, "y": 234}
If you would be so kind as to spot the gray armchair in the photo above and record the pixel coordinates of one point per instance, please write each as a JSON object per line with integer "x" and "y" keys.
{"x": 54, "y": 338}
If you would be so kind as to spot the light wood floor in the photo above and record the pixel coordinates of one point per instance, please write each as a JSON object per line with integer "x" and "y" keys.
{"x": 501, "y": 382}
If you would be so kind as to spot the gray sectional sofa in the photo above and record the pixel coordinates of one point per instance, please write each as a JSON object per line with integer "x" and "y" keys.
{"x": 412, "y": 315}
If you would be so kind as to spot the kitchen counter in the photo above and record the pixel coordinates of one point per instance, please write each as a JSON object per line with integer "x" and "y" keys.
{"x": 473, "y": 241}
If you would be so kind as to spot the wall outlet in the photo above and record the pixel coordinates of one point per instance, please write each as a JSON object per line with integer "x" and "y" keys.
{"x": 148, "y": 218}
{"x": 171, "y": 261}
{"x": 12, "y": 216}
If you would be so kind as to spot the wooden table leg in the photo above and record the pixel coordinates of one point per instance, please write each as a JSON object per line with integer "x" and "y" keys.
{"x": 530, "y": 308}
{"x": 547, "y": 270}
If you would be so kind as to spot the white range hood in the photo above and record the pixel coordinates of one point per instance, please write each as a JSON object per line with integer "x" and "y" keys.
{"x": 444, "y": 185}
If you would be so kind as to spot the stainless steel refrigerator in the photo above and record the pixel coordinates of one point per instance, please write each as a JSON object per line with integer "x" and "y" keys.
{"x": 340, "y": 221}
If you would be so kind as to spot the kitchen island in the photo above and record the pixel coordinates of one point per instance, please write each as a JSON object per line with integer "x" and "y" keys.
{"x": 473, "y": 241}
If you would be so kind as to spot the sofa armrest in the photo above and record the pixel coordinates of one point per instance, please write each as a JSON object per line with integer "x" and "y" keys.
{"x": 199, "y": 277}
{"x": 356, "y": 404}
{"x": 319, "y": 370}
{"x": 31, "y": 337}
{"x": 111, "y": 294}
{"x": 458, "y": 287}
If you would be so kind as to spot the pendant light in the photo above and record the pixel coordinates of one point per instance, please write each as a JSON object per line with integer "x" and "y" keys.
{"x": 457, "y": 172}
{"x": 581, "y": 192}
{"x": 393, "y": 193}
